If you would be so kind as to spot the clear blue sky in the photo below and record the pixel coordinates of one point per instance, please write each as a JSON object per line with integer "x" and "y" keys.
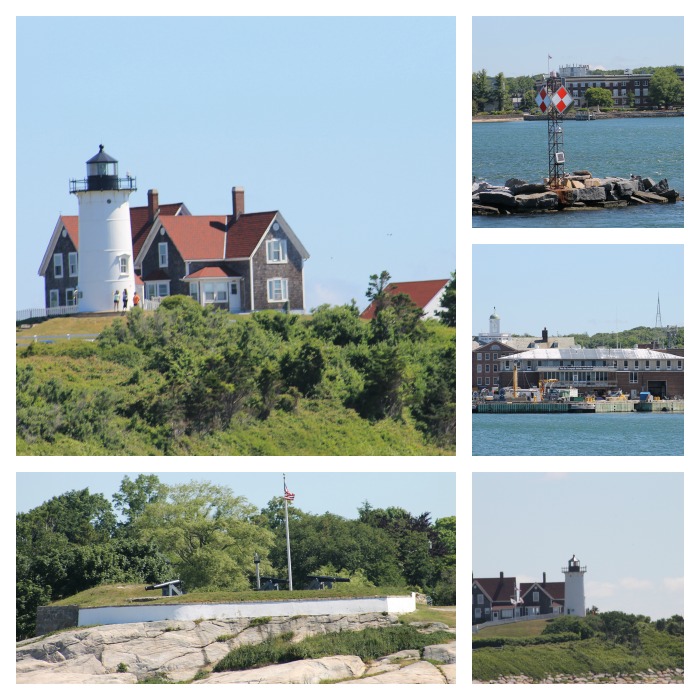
{"x": 341, "y": 493}
{"x": 626, "y": 528}
{"x": 520, "y": 45}
{"x": 576, "y": 288}
{"x": 344, "y": 124}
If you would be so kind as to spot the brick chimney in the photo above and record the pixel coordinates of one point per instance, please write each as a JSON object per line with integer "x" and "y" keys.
{"x": 153, "y": 207}
{"x": 238, "y": 196}
{"x": 545, "y": 335}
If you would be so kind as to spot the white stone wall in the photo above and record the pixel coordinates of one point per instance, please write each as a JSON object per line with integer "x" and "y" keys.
{"x": 227, "y": 611}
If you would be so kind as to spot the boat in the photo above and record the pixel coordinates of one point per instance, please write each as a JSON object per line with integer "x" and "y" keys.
{"x": 584, "y": 116}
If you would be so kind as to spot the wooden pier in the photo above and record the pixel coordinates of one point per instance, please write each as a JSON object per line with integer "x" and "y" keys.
{"x": 578, "y": 407}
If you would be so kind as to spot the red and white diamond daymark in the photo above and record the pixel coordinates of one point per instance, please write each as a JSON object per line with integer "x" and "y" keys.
{"x": 543, "y": 100}
{"x": 561, "y": 99}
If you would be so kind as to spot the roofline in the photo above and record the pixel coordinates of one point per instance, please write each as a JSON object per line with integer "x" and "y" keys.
{"x": 43, "y": 268}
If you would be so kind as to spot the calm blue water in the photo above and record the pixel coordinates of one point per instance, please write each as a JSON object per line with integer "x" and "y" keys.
{"x": 634, "y": 434}
{"x": 651, "y": 147}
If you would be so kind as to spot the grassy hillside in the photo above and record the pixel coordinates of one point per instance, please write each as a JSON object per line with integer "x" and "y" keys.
{"x": 527, "y": 628}
{"x": 191, "y": 381}
{"x": 650, "y": 648}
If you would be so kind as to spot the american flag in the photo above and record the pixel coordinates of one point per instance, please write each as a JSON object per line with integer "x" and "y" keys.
{"x": 288, "y": 495}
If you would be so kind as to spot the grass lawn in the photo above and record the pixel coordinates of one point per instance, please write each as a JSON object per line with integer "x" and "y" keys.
{"x": 426, "y": 613}
{"x": 124, "y": 593}
{"x": 69, "y": 324}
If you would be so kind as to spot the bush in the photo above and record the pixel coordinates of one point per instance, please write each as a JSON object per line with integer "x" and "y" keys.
{"x": 524, "y": 641}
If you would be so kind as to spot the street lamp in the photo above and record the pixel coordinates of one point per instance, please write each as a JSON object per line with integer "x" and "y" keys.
{"x": 256, "y": 559}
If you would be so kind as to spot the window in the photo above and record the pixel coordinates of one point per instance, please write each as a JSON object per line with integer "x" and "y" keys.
{"x": 277, "y": 289}
{"x": 536, "y": 597}
{"x": 58, "y": 265}
{"x": 495, "y": 355}
{"x": 276, "y": 250}
{"x": 480, "y": 598}
{"x": 124, "y": 265}
{"x": 487, "y": 356}
{"x": 496, "y": 347}
{"x": 157, "y": 289}
{"x": 477, "y": 612}
{"x": 478, "y": 356}
{"x": 680, "y": 364}
{"x": 53, "y": 298}
{"x": 162, "y": 255}
{"x": 488, "y": 368}
{"x": 215, "y": 292}
{"x": 658, "y": 364}
{"x": 480, "y": 368}
{"x": 668, "y": 364}
{"x": 479, "y": 381}
{"x": 70, "y": 298}
{"x": 633, "y": 377}
{"x": 636, "y": 364}
{"x": 646, "y": 366}
{"x": 194, "y": 290}
{"x": 72, "y": 264}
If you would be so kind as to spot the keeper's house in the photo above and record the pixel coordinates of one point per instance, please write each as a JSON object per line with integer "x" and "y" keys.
{"x": 597, "y": 371}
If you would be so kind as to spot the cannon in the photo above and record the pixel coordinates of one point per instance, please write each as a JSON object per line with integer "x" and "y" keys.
{"x": 269, "y": 583}
{"x": 168, "y": 588}
{"x": 319, "y": 583}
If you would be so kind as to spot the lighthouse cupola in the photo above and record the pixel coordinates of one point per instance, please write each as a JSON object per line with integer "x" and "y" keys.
{"x": 494, "y": 323}
{"x": 102, "y": 172}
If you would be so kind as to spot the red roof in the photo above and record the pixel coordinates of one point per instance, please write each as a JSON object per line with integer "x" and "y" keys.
{"x": 209, "y": 272}
{"x": 244, "y": 235}
{"x": 197, "y": 237}
{"x": 554, "y": 589}
{"x": 497, "y": 588}
{"x": 421, "y": 293}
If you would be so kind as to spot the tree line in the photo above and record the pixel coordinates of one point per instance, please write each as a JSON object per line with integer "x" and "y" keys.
{"x": 207, "y": 536}
{"x": 666, "y": 89}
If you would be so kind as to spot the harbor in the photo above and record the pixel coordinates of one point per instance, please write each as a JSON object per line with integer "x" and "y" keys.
{"x": 578, "y": 407}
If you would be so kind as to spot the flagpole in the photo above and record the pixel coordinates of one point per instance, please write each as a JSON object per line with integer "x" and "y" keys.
{"x": 286, "y": 524}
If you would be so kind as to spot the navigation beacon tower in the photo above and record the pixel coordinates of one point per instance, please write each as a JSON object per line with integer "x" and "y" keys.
{"x": 105, "y": 252}
{"x": 494, "y": 323}
{"x": 574, "y": 597}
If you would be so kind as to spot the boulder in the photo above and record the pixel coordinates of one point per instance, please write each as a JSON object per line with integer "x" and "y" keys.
{"x": 582, "y": 172}
{"x": 446, "y": 653}
{"x": 496, "y": 198}
{"x": 591, "y": 182}
{"x": 419, "y": 672}
{"x": 626, "y": 188}
{"x": 577, "y": 185}
{"x": 545, "y": 200}
{"x": 648, "y": 183}
{"x": 515, "y": 182}
{"x": 529, "y": 188}
{"x": 478, "y": 210}
{"x": 589, "y": 194}
{"x": 652, "y": 197}
{"x": 294, "y": 672}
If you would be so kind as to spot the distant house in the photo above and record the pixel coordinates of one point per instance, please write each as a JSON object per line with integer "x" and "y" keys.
{"x": 240, "y": 262}
{"x": 425, "y": 294}
{"x": 491, "y": 597}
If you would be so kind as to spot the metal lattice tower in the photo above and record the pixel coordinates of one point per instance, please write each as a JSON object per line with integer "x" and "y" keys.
{"x": 658, "y": 323}
{"x": 555, "y": 137}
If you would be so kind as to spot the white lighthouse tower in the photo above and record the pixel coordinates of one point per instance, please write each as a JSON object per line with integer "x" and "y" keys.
{"x": 105, "y": 252}
{"x": 494, "y": 324}
{"x": 574, "y": 597}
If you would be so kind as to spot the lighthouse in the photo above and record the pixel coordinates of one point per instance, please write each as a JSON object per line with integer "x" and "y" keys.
{"x": 574, "y": 597}
{"x": 105, "y": 252}
{"x": 494, "y": 324}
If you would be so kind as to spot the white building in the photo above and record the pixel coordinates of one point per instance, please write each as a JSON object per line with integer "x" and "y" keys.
{"x": 574, "y": 595}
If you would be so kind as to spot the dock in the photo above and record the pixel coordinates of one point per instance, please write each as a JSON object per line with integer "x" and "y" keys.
{"x": 675, "y": 406}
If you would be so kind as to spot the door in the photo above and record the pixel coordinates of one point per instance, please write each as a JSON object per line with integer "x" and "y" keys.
{"x": 234, "y": 296}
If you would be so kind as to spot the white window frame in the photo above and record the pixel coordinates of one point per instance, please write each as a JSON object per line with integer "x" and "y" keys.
{"x": 123, "y": 264}
{"x": 276, "y": 250}
{"x": 215, "y": 292}
{"x": 70, "y": 298}
{"x": 277, "y": 289}
{"x": 157, "y": 290}
{"x": 72, "y": 264}
{"x": 163, "y": 254}
{"x": 477, "y": 612}
{"x": 54, "y": 298}
{"x": 194, "y": 290}
{"x": 479, "y": 598}
{"x": 478, "y": 355}
{"x": 535, "y": 596}
{"x": 58, "y": 265}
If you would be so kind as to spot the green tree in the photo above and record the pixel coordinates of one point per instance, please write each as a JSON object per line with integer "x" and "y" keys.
{"x": 377, "y": 290}
{"x": 666, "y": 88}
{"x": 134, "y": 496}
{"x": 448, "y": 301}
{"x": 207, "y": 533}
{"x": 339, "y": 325}
{"x": 481, "y": 89}
{"x": 599, "y": 97}
{"x": 529, "y": 100}
{"x": 500, "y": 92}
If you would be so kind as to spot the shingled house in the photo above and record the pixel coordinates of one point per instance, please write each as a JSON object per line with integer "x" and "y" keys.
{"x": 240, "y": 262}
{"x": 425, "y": 294}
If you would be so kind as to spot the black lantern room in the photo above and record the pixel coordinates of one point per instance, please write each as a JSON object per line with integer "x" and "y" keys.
{"x": 102, "y": 174}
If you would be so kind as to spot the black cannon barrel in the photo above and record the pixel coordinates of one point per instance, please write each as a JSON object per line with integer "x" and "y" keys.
{"x": 331, "y": 579}
{"x": 156, "y": 586}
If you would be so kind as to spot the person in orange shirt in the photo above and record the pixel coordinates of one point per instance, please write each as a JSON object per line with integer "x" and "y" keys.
{"x": 136, "y": 299}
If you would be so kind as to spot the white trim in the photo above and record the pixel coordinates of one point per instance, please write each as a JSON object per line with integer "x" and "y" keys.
{"x": 55, "y": 276}
{"x": 252, "y": 284}
{"x": 284, "y": 289}
{"x": 75, "y": 254}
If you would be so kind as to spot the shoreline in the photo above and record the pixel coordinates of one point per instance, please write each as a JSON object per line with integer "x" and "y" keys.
{"x": 571, "y": 117}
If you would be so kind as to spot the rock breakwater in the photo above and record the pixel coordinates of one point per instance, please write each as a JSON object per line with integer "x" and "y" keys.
{"x": 578, "y": 190}
{"x": 667, "y": 676}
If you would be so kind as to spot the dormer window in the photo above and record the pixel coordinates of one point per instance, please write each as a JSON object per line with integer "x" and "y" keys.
{"x": 276, "y": 250}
